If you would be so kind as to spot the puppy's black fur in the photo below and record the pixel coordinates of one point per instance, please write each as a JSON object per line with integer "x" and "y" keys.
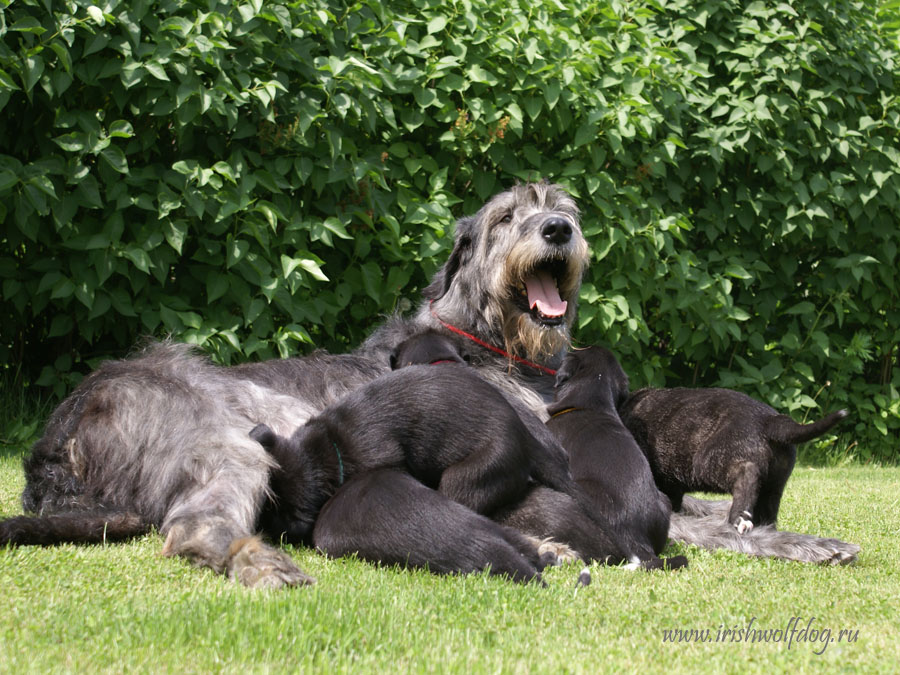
{"x": 445, "y": 426}
{"x": 427, "y": 348}
{"x": 719, "y": 440}
{"x": 437, "y": 533}
{"x": 605, "y": 461}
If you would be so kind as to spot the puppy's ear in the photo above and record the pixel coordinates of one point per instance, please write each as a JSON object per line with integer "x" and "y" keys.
{"x": 622, "y": 393}
{"x": 461, "y": 252}
{"x": 563, "y": 375}
{"x": 264, "y": 435}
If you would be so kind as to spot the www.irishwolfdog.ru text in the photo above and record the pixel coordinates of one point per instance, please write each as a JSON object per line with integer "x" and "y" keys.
{"x": 795, "y": 633}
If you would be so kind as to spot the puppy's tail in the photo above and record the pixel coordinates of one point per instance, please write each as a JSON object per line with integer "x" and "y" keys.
{"x": 79, "y": 527}
{"x": 783, "y": 429}
{"x": 712, "y": 532}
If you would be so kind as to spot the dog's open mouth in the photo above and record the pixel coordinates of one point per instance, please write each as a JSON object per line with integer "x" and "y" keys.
{"x": 538, "y": 294}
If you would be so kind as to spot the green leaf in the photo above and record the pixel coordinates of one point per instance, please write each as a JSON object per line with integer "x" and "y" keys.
{"x": 216, "y": 286}
{"x": 121, "y": 129}
{"x": 803, "y": 307}
{"x": 32, "y": 69}
{"x": 337, "y": 227}
{"x": 97, "y": 15}
{"x": 115, "y": 158}
{"x": 7, "y": 179}
{"x": 139, "y": 257}
{"x": 437, "y": 24}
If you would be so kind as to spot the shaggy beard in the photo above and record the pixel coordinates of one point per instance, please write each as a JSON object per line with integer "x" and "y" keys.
{"x": 537, "y": 343}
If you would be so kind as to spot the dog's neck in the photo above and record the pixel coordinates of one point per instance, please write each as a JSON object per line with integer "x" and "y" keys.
{"x": 497, "y": 350}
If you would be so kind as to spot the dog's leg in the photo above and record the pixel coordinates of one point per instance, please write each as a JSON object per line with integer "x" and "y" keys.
{"x": 211, "y": 525}
{"x": 546, "y": 513}
{"x": 711, "y": 532}
{"x": 387, "y": 516}
{"x": 744, "y": 490}
{"x": 485, "y": 480}
{"x": 769, "y": 502}
{"x": 217, "y": 542}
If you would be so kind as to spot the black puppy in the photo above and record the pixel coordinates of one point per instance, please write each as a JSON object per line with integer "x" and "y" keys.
{"x": 719, "y": 440}
{"x": 445, "y": 426}
{"x": 605, "y": 461}
{"x": 437, "y": 533}
{"x": 427, "y": 348}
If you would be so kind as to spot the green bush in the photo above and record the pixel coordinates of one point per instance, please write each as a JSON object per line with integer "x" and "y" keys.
{"x": 259, "y": 178}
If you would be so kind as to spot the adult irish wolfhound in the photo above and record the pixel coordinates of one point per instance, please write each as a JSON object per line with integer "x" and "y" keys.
{"x": 163, "y": 438}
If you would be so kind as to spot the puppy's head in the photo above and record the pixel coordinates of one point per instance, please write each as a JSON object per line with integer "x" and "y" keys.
{"x": 591, "y": 378}
{"x": 264, "y": 435}
{"x": 429, "y": 347}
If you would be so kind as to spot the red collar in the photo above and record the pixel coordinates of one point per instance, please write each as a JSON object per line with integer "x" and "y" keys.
{"x": 482, "y": 343}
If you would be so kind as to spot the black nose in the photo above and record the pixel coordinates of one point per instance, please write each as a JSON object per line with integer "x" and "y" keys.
{"x": 557, "y": 231}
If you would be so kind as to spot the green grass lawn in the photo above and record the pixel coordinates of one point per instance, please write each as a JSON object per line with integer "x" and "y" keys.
{"x": 123, "y": 607}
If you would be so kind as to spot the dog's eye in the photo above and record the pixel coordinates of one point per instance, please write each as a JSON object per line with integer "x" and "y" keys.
{"x": 507, "y": 217}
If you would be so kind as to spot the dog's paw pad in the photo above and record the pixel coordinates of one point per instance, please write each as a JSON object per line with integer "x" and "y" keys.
{"x": 256, "y": 565}
{"x": 743, "y": 525}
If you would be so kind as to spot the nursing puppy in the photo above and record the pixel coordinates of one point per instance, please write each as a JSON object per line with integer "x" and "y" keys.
{"x": 437, "y": 533}
{"x": 482, "y": 456}
{"x": 428, "y": 348}
{"x": 719, "y": 440}
{"x": 606, "y": 463}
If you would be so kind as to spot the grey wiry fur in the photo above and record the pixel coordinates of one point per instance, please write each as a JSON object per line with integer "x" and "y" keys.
{"x": 700, "y": 523}
{"x": 164, "y": 435}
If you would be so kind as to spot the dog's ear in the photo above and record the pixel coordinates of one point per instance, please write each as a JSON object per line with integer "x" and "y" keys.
{"x": 264, "y": 435}
{"x": 461, "y": 252}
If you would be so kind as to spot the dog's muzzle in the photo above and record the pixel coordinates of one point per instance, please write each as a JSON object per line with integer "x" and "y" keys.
{"x": 557, "y": 231}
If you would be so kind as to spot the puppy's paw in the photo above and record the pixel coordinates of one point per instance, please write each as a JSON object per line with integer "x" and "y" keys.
{"x": 256, "y": 565}
{"x": 634, "y": 563}
{"x": 743, "y": 525}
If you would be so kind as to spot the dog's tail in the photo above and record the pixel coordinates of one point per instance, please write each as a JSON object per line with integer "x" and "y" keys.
{"x": 77, "y": 527}
{"x": 783, "y": 429}
{"x": 713, "y": 532}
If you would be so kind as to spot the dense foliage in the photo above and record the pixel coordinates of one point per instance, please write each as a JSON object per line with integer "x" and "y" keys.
{"x": 259, "y": 178}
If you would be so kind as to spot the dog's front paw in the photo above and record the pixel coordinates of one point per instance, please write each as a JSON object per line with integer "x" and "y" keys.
{"x": 256, "y": 565}
{"x": 839, "y": 552}
{"x": 557, "y": 552}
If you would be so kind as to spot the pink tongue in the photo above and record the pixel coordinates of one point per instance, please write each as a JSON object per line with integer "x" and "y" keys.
{"x": 543, "y": 293}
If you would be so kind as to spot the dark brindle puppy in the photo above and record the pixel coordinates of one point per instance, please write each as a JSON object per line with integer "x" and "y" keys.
{"x": 719, "y": 440}
{"x": 437, "y": 532}
{"x": 480, "y": 455}
{"x": 606, "y": 463}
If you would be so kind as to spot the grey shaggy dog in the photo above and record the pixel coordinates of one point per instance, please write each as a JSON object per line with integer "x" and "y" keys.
{"x": 162, "y": 438}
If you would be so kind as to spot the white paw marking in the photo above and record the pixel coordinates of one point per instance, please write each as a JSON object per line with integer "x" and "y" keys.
{"x": 742, "y": 525}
